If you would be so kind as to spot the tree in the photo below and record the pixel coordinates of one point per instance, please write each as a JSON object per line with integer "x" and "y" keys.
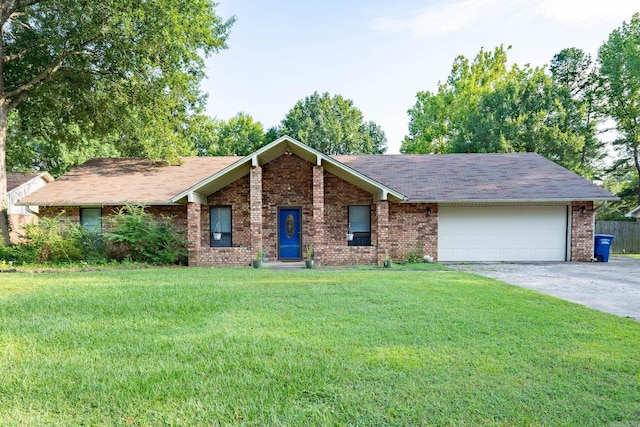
{"x": 437, "y": 120}
{"x": 619, "y": 59}
{"x": 239, "y": 136}
{"x": 487, "y": 106}
{"x": 575, "y": 83}
{"x": 332, "y": 125}
{"x": 120, "y": 71}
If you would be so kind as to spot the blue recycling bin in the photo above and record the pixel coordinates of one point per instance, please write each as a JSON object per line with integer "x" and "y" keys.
{"x": 602, "y": 246}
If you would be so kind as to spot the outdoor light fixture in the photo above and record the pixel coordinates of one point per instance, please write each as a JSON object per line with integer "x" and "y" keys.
{"x": 429, "y": 211}
{"x": 583, "y": 210}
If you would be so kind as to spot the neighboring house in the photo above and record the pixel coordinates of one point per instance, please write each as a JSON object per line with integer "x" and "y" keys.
{"x": 18, "y": 186}
{"x": 286, "y": 195}
{"x": 634, "y": 214}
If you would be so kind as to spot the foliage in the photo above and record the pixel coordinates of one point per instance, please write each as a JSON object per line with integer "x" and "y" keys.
{"x": 575, "y": 82}
{"x": 332, "y": 125}
{"x": 487, "y": 106}
{"x": 413, "y": 257}
{"x": 27, "y": 151}
{"x": 260, "y": 347}
{"x": 51, "y": 240}
{"x": 619, "y": 59}
{"x": 238, "y": 136}
{"x": 119, "y": 72}
{"x": 144, "y": 237}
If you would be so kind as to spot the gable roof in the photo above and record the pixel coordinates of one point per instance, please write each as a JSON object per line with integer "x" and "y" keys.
{"x": 15, "y": 179}
{"x": 504, "y": 177}
{"x": 118, "y": 181}
{"x": 275, "y": 149}
{"x": 633, "y": 213}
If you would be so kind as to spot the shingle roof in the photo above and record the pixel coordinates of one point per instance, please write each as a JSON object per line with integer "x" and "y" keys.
{"x": 434, "y": 178}
{"x": 120, "y": 181}
{"x": 476, "y": 177}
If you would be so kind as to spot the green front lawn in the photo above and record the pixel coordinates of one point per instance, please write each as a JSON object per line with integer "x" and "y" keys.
{"x": 258, "y": 347}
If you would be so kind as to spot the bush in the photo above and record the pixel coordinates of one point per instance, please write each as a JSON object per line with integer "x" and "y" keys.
{"x": 52, "y": 241}
{"x": 413, "y": 258}
{"x": 143, "y": 237}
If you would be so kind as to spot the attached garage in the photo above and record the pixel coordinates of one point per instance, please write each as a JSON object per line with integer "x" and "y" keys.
{"x": 502, "y": 233}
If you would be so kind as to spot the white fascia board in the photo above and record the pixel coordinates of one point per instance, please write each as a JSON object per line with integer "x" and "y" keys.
{"x": 461, "y": 201}
{"x": 193, "y": 189}
{"x": 634, "y": 213}
{"x": 97, "y": 204}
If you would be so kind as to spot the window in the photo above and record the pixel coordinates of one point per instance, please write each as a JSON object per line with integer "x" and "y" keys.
{"x": 220, "y": 220}
{"x": 360, "y": 223}
{"x": 91, "y": 219}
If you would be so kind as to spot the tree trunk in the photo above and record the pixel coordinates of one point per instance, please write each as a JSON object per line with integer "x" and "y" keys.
{"x": 4, "y": 121}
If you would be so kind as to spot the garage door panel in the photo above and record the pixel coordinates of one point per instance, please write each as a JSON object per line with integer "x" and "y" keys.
{"x": 506, "y": 233}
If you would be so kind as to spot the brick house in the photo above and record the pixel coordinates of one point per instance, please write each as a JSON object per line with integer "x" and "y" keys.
{"x": 287, "y": 196}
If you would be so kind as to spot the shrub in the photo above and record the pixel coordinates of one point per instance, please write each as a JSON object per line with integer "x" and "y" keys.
{"x": 52, "y": 241}
{"x": 143, "y": 237}
{"x": 413, "y": 258}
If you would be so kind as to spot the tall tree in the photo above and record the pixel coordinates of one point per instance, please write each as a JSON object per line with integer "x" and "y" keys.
{"x": 575, "y": 82}
{"x": 487, "y": 106}
{"x": 121, "y": 70}
{"x": 619, "y": 59}
{"x": 332, "y": 125}
{"x": 240, "y": 136}
{"x": 437, "y": 120}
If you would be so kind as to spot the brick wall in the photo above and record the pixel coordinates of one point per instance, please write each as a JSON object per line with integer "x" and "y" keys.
{"x": 68, "y": 214}
{"x": 286, "y": 181}
{"x": 382, "y": 214}
{"x": 582, "y": 231}
{"x": 338, "y": 195}
{"x": 71, "y": 214}
{"x": 413, "y": 230}
{"x": 193, "y": 232}
{"x": 235, "y": 195}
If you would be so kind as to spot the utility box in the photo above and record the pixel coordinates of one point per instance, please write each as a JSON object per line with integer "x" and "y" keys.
{"x": 602, "y": 246}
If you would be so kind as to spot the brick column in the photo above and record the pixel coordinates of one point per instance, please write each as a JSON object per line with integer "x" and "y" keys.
{"x": 317, "y": 240}
{"x": 255, "y": 196}
{"x": 193, "y": 233}
{"x": 382, "y": 213}
{"x": 582, "y": 226}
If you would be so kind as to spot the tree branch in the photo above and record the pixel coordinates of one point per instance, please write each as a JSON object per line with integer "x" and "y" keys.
{"x": 21, "y": 55}
{"x": 44, "y": 75}
{"x": 37, "y": 80}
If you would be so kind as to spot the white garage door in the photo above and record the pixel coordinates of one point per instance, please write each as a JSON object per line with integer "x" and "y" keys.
{"x": 505, "y": 233}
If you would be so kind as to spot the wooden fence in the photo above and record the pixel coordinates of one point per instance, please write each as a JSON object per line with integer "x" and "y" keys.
{"x": 627, "y": 235}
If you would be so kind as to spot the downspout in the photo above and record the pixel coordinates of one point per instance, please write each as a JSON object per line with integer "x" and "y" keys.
{"x": 32, "y": 212}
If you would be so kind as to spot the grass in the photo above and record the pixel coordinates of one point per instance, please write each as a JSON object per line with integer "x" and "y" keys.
{"x": 627, "y": 255}
{"x": 310, "y": 347}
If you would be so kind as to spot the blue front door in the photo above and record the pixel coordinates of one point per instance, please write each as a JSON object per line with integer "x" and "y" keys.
{"x": 289, "y": 234}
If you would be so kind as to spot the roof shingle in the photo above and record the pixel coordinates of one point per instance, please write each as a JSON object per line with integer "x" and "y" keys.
{"x": 119, "y": 181}
{"x": 476, "y": 177}
{"x": 433, "y": 178}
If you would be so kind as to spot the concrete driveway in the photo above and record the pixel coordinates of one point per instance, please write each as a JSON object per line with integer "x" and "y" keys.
{"x": 612, "y": 287}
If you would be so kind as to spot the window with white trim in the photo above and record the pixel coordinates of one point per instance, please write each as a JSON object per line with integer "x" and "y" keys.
{"x": 220, "y": 221}
{"x": 360, "y": 225}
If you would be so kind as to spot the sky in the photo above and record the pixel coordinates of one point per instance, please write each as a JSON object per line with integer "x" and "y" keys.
{"x": 381, "y": 53}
